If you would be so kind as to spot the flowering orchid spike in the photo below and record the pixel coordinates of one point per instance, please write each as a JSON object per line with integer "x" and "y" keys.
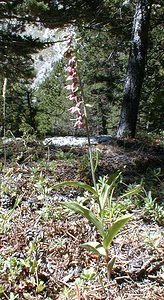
{"x": 72, "y": 61}
{"x": 71, "y": 87}
{"x": 79, "y": 123}
{"x": 71, "y": 70}
{"x": 75, "y": 110}
{"x": 72, "y": 77}
{"x": 74, "y": 97}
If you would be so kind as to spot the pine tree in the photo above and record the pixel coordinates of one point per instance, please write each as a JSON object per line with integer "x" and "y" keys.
{"x": 16, "y": 46}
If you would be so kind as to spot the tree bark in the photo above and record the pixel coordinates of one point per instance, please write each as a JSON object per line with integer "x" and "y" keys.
{"x": 135, "y": 71}
{"x": 102, "y": 113}
{"x": 32, "y": 112}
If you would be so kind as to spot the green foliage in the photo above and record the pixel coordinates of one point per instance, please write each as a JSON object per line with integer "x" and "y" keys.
{"x": 118, "y": 207}
{"x": 83, "y": 185}
{"x": 153, "y": 209}
{"x": 35, "y": 7}
{"x": 66, "y": 293}
{"x": 6, "y": 216}
{"x": 52, "y": 116}
{"x": 46, "y": 213}
{"x": 88, "y": 274}
{"x": 14, "y": 268}
{"x": 85, "y": 212}
{"x": 20, "y": 109}
{"x": 20, "y": 149}
{"x": 105, "y": 187}
{"x": 16, "y": 48}
{"x": 152, "y": 103}
{"x": 100, "y": 68}
{"x": 65, "y": 155}
{"x": 113, "y": 230}
{"x": 101, "y": 194}
{"x": 102, "y": 49}
{"x": 153, "y": 240}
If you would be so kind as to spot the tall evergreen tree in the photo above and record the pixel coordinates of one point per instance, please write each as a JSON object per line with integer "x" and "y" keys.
{"x": 52, "y": 103}
{"x": 16, "y": 45}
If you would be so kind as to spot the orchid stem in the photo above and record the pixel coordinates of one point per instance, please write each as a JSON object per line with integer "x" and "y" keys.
{"x": 88, "y": 134}
{"x": 86, "y": 125}
{"x": 4, "y": 117}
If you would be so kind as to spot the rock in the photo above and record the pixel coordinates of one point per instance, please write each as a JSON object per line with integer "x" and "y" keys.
{"x": 77, "y": 141}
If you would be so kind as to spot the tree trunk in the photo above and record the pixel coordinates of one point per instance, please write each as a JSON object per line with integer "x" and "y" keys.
{"x": 135, "y": 70}
{"x": 102, "y": 112}
{"x": 32, "y": 112}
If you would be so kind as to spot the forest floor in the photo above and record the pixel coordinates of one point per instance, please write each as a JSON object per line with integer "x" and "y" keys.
{"x": 40, "y": 253}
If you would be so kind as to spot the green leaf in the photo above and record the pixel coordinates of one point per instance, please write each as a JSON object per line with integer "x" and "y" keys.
{"x": 78, "y": 208}
{"x": 1, "y": 289}
{"x": 132, "y": 192}
{"x": 79, "y": 184}
{"x": 40, "y": 287}
{"x": 95, "y": 247}
{"x": 104, "y": 187}
{"x": 104, "y": 194}
{"x": 114, "y": 229}
{"x": 113, "y": 177}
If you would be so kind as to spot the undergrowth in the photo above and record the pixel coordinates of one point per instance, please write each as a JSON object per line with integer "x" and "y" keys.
{"x": 26, "y": 189}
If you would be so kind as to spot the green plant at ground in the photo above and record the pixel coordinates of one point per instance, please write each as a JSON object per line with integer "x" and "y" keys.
{"x": 11, "y": 266}
{"x": 124, "y": 201}
{"x": 118, "y": 208}
{"x": 51, "y": 167}
{"x": 65, "y": 155}
{"x": 40, "y": 183}
{"x": 104, "y": 212}
{"x": 32, "y": 264}
{"x": 6, "y": 216}
{"x": 101, "y": 193}
{"x": 47, "y": 212}
{"x": 153, "y": 181}
{"x": 14, "y": 268}
{"x": 152, "y": 208}
{"x": 66, "y": 293}
{"x": 21, "y": 149}
{"x": 153, "y": 240}
{"x": 88, "y": 274}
